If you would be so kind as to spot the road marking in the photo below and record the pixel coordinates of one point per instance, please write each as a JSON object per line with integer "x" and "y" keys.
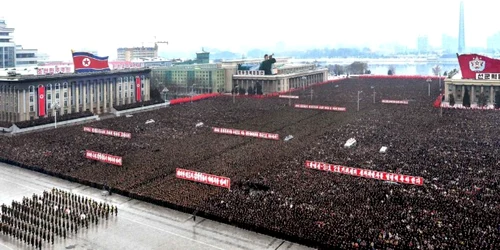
{"x": 172, "y": 233}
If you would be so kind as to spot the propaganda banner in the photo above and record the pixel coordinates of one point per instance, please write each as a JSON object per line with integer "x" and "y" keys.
{"x": 473, "y": 64}
{"x": 138, "y": 89}
{"x": 106, "y": 158}
{"x": 107, "y": 132}
{"x": 208, "y": 179}
{"x": 395, "y": 101}
{"x": 230, "y": 131}
{"x": 371, "y": 174}
{"x": 319, "y": 107}
{"x": 41, "y": 100}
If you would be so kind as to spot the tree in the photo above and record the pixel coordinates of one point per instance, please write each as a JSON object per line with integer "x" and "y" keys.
{"x": 391, "y": 71}
{"x": 466, "y": 100}
{"x": 445, "y": 73}
{"x": 482, "y": 100}
{"x": 250, "y": 90}
{"x": 258, "y": 88}
{"x": 451, "y": 98}
{"x": 338, "y": 69}
{"x": 358, "y": 68}
{"x": 436, "y": 70}
{"x": 242, "y": 91}
{"x": 497, "y": 99}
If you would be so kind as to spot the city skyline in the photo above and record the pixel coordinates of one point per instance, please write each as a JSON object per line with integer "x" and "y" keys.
{"x": 55, "y": 28}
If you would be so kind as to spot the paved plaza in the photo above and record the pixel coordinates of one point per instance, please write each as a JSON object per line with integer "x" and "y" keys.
{"x": 139, "y": 225}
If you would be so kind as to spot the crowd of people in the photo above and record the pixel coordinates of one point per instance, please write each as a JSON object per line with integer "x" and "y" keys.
{"x": 56, "y": 213}
{"x": 457, "y": 154}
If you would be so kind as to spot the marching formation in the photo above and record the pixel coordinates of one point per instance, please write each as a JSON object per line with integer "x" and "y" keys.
{"x": 457, "y": 155}
{"x": 57, "y": 213}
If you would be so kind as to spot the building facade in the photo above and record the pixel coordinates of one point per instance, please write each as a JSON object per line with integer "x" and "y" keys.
{"x": 7, "y": 46}
{"x": 26, "y": 57}
{"x": 206, "y": 78}
{"x": 31, "y": 97}
{"x": 488, "y": 84}
{"x": 129, "y": 54}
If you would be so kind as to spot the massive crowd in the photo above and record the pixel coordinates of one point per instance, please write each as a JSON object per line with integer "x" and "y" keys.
{"x": 457, "y": 155}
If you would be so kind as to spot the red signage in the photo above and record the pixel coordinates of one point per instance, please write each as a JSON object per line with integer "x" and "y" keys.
{"x": 111, "y": 159}
{"x": 471, "y": 64}
{"x": 319, "y": 107}
{"x": 107, "y": 132}
{"x": 209, "y": 179}
{"x": 41, "y": 100}
{"x": 230, "y": 131}
{"x": 405, "y": 179}
{"x": 138, "y": 88}
{"x": 395, "y": 101}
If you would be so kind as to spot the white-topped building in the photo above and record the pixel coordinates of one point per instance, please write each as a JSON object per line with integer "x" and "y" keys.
{"x": 12, "y": 56}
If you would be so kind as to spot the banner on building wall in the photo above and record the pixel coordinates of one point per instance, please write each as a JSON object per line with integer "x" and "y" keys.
{"x": 138, "y": 88}
{"x": 41, "y": 100}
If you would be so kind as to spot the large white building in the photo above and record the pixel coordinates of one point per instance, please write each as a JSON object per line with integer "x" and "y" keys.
{"x": 12, "y": 56}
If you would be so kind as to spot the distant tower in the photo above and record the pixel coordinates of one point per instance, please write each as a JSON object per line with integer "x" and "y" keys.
{"x": 461, "y": 29}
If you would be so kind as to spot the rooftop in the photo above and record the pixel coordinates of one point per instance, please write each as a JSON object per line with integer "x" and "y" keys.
{"x": 19, "y": 78}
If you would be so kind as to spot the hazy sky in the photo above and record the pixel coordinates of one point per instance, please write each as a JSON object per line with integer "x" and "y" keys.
{"x": 57, "y": 26}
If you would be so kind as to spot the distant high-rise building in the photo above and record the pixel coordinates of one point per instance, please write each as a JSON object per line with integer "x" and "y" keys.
{"x": 493, "y": 42}
{"x": 423, "y": 44}
{"x": 449, "y": 43}
{"x": 461, "y": 29}
{"x": 11, "y": 55}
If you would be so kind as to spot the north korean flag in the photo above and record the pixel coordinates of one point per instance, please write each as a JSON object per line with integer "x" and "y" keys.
{"x": 88, "y": 62}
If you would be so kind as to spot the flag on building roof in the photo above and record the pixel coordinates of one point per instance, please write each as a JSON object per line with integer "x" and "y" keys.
{"x": 88, "y": 62}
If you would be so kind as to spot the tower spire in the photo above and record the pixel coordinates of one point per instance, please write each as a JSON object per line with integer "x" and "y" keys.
{"x": 461, "y": 29}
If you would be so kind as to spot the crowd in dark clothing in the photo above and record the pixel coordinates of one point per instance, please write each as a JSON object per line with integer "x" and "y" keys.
{"x": 457, "y": 155}
{"x": 39, "y": 219}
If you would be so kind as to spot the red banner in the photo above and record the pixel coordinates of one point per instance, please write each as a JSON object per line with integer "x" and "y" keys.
{"x": 230, "y": 131}
{"x": 329, "y": 108}
{"x": 395, "y": 101}
{"x": 41, "y": 101}
{"x": 111, "y": 159}
{"x": 471, "y": 64}
{"x": 138, "y": 89}
{"x": 107, "y": 132}
{"x": 405, "y": 179}
{"x": 209, "y": 179}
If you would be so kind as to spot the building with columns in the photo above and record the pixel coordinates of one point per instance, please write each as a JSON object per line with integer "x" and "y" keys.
{"x": 28, "y": 97}
{"x": 486, "y": 83}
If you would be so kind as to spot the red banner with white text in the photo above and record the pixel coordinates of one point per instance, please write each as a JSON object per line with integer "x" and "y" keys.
{"x": 138, "y": 88}
{"x": 395, "y": 101}
{"x": 208, "y": 179}
{"x": 371, "y": 174}
{"x": 472, "y": 64}
{"x": 106, "y": 158}
{"x": 41, "y": 101}
{"x": 230, "y": 131}
{"x": 319, "y": 107}
{"x": 107, "y": 132}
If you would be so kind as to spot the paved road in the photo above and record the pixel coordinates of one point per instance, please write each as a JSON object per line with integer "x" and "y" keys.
{"x": 139, "y": 225}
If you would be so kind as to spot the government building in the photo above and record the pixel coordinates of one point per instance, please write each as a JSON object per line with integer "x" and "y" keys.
{"x": 29, "y": 97}
{"x": 486, "y": 83}
{"x": 223, "y": 76}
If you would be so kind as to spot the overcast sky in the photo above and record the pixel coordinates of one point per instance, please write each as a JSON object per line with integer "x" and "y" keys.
{"x": 57, "y": 26}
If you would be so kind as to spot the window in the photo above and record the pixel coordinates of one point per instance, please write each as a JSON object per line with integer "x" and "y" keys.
{"x": 48, "y": 105}
{"x": 65, "y": 103}
{"x": 65, "y": 94}
{"x": 48, "y": 96}
{"x": 32, "y": 109}
{"x": 57, "y": 95}
{"x": 31, "y": 98}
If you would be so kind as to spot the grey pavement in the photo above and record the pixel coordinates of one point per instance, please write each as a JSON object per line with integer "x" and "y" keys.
{"x": 139, "y": 225}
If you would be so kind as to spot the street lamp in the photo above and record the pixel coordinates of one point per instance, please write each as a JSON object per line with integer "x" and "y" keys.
{"x": 304, "y": 82}
{"x": 165, "y": 91}
{"x": 55, "y": 106}
{"x": 359, "y": 92}
{"x": 373, "y": 87}
{"x": 429, "y": 86}
{"x": 192, "y": 92}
